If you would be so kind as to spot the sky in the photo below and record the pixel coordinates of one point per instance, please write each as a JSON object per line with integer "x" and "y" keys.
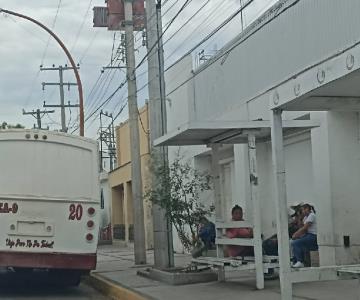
{"x": 24, "y": 47}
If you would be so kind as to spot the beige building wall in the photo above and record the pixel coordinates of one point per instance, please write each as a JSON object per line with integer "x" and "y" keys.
{"x": 120, "y": 182}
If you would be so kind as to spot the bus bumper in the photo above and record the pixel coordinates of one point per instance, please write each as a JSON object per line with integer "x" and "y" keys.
{"x": 48, "y": 260}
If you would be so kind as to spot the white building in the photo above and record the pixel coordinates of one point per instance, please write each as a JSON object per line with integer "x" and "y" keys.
{"x": 105, "y": 200}
{"x": 294, "y": 49}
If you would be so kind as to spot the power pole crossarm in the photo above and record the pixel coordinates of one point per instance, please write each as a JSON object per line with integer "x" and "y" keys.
{"x": 59, "y": 105}
{"x": 57, "y": 83}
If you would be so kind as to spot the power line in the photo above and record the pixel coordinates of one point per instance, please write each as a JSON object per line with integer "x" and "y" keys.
{"x": 185, "y": 4}
{"x": 141, "y": 62}
{"x": 81, "y": 26}
{"x": 106, "y": 89}
{"x": 168, "y": 26}
{"x": 187, "y": 22}
{"x": 224, "y": 54}
{"x": 204, "y": 24}
{"x": 52, "y": 27}
{"x": 88, "y": 47}
{"x": 211, "y": 34}
{"x": 98, "y": 91}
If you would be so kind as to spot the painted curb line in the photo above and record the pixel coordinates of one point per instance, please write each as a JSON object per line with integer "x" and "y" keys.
{"x": 113, "y": 289}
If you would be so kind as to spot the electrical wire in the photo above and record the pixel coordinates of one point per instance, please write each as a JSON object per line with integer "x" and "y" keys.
{"x": 81, "y": 26}
{"x": 141, "y": 62}
{"x": 211, "y": 34}
{"x": 160, "y": 37}
{"x": 224, "y": 54}
{"x": 106, "y": 89}
{"x": 210, "y": 18}
{"x": 88, "y": 47}
{"x": 187, "y": 22}
{"x": 52, "y": 27}
{"x": 142, "y": 124}
{"x": 112, "y": 50}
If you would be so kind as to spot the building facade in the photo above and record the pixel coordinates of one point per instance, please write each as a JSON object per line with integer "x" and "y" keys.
{"x": 288, "y": 42}
{"x": 120, "y": 182}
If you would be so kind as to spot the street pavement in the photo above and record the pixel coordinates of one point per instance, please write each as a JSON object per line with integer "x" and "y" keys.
{"x": 35, "y": 287}
{"x": 117, "y": 265}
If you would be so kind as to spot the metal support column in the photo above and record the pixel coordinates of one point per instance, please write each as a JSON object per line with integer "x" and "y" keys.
{"x": 256, "y": 216}
{"x": 219, "y": 216}
{"x": 281, "y": 204}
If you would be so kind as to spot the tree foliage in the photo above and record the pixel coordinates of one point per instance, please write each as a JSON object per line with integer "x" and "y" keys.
{"x": 177, "y": 188}
{"x": 5, "y": 125}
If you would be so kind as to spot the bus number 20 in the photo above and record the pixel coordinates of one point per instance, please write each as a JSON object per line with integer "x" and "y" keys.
{"x": 76, "y": 212}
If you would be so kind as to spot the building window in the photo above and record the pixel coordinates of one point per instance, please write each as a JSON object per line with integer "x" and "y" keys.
{"x": 102, "y": 200}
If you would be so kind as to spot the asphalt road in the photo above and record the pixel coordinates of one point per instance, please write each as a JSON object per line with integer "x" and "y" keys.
{"x": 35, "y": 287}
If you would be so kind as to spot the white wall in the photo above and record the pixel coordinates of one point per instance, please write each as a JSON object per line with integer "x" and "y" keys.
{"x": 322, "y": 167}
{"x": 105, "y": 218}
{"x": 337, "y": 171}
{"x": 292, "y": 36}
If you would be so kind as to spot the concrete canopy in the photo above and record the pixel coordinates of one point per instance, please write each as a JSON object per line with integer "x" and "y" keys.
{"x": 227, "y": 132}
{"x": 331, "y": 85}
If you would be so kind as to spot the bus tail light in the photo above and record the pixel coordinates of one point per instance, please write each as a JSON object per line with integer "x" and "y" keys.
{"x": 91, "y": 211}
{"x": 89, "y": 237}
{"x": 90, "y": 224}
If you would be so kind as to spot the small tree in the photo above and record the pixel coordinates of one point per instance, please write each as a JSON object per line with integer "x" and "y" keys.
{"x": 177, "y": 190}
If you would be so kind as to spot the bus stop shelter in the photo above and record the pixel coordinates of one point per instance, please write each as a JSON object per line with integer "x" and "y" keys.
{"x": 331, "y": 85}
{"x": 213, "y": 134}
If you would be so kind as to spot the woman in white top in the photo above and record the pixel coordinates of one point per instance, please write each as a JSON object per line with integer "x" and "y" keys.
{"x": 305, "y": 239}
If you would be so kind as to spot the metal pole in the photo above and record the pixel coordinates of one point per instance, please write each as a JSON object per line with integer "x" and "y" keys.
{"x": 281, "y": 204}
{"x": 111, "y": 154}
{"x": 139, "y": 229}
{"x": 62, "y": 100}
{"x": 101, "y": 144}
{"x": 163, "y": 243}
{"x": 219, "y": 210}
{"x": 256, "y": 211}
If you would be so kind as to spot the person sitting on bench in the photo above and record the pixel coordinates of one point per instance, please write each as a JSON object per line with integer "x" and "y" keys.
{"x": 206, "y": 238}
{"x": 305, "y": 239}
{"x": 234, "y": 250}
{"x": 270, "y": 245}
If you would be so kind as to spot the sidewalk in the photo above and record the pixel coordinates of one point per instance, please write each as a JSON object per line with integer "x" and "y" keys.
{"x": 116, "y": 265}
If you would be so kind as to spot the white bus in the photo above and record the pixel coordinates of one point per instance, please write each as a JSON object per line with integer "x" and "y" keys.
{"x": 49, "y": 202}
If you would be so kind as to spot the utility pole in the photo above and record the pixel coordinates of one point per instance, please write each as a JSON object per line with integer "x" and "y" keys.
{"x": 139, "y": 229}
{"x": 61, "y": 85}
{"x": 163, "y": 242}
{"x": 107, "y": 137}
{"x": 37, "y": 115}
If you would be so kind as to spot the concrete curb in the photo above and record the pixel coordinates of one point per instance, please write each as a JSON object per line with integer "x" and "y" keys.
{"x": 112, "y": 289}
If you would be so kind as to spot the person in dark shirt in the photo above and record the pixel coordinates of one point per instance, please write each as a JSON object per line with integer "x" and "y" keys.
{"x": 206, "y": 235}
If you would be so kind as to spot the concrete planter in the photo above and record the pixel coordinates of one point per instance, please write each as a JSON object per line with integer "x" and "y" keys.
{"x": 179, "y": 276}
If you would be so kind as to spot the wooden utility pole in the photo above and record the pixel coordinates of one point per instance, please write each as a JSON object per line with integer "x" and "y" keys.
{"x": 37, "y": 115}
{"x": 163, "y": 244}
{"x": 61, "y": 85}
{"x": 136, "y": 182}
